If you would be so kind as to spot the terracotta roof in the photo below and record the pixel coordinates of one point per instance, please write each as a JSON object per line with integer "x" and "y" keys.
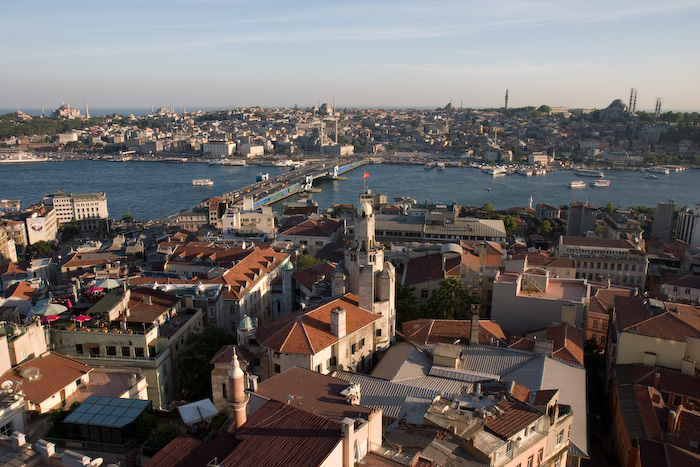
{"x": 14, "y": 268}
{"x": 201, "y": 253}
{"x": 241, "y": 277}
{"x": 543, "y": 396}
{"x": 144, "y": 312}
{"x": 670, "y": 381}
{"x": 322, "y": 227}
{"x": 683, "y": 280}
{"x": 20, "y": 290}
{"x": 568, "y": 343}
{"x": 604, "y": 298}
{"x": 630, "y": 311}
{"x": 313, "y": 392}
{"x": 432, "y": 331}
{"x": 309, "y": 331}
{"x": 281, "y": 435}
{"x": 515, "y": 417}
{"x": 424, "y": 269}
{"x": 55, "y": 372}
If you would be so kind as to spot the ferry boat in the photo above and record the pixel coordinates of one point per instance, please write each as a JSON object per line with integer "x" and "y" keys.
{"x": 601, "y": 183}
{"x": 495, "y": 171}
{"x": 590, "y": 172}
{"x": 525, "y": 171}
{"x": 262, "y": 176}
{"x": 202, "y": 182}
{"x": 20, "y": 157}
{"x": 578, "y": 184}
{"x": 659, "y": 170}
{"x": 440, "y": 166}
{"x": 228, "y": 162}
{"x": 429, "y": 165}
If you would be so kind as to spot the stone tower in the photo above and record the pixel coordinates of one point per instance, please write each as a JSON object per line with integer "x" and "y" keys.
{"x": 369, "y": 277}
{"x": 237, "y": 397}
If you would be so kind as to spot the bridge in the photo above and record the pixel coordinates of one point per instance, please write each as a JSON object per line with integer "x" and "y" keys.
{"x": 265, "y": 192}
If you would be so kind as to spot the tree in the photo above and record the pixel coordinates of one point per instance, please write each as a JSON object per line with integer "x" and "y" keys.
{"x": 196, "y": 370}
{"x": 488, "y": 207}
{"x": 510, "y": 224}
{"x": 405, "y": 303}
{"x": 305, "y": 261}
{"x": 545, "y": 109}
{"x": 450, "y": 301}
{"x": 41, "y": 249}
{"x": 609, "y": 208}
{"x": 128, "y": 218}
{"x": 161, "y": 436}
{"x": 545, "y": 228}
{"x": 70, "y": 230}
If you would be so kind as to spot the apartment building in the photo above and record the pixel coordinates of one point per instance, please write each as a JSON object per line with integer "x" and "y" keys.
{"x": 88, "y": 209}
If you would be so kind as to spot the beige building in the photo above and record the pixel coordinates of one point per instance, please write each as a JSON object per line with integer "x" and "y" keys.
{"x": 335, "y": 335}
{"x": 218, "y": 149}
{"x": 89, "y": 209}
{"x": 247, "y": 219}
{"x": 42, "y": 225}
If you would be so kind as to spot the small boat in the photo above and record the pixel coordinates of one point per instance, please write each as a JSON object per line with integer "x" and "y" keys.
{"x": 429, "y": 165}
{"x": 495, "y": 171}
{"x": 660, "y": 170}
{"x": 440, "y": 165}
{"x": 601, "y": 183}
{"x": 652, "y": 177}
{"x": 202, "y": 182}
{"x": 525, "y": 171}
{"x": 578, "y": 184}
{"x": 262, "y": 176}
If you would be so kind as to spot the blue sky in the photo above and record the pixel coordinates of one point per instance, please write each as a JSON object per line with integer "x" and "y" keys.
{"x": 211, "y": 53}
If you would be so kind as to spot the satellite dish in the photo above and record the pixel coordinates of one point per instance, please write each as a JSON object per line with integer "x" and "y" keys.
{"x": 6, "y": 385}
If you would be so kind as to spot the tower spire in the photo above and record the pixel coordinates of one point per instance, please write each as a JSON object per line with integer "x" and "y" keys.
{"x": 506, "y": 108}
{"x": 237, "y": 397}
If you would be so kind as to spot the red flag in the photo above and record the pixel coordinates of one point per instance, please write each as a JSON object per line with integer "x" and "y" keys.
{"x": 366, "y": 175}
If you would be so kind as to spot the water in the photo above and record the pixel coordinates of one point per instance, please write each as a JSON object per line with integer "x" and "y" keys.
{"x": 155, "y": 190}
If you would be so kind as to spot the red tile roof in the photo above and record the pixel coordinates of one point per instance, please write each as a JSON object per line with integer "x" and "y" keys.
{"x": 321, "y": 227}
{"x": 144, "y": 312}
{"x": 20, "y": 290}
{"x": 248, "y": 271}
{"x": 424, "y": 269}
{"x": 55, "y": 372}
{"x": 309, "y": 331}
{"x": 515, "y": 417}
{"x": 309, "y": 276}
{"x": 432, "y": 331}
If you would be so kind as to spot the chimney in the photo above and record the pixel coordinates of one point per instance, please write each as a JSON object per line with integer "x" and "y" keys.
{"x": 474, "y": 334}
{"x": 148, "y": 299}
{"x": 253, "y": 383}
{"x": 338, "y": 322}
{"x": 45, "y": 449}
{"x": 348, "y": 442}
{"x": 672, "y": 421}
{"x": 657, "y": 379}
{"x": 238, "y": 399}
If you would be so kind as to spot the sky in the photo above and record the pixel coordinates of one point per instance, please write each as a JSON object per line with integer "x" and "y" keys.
{"x": 381, "y": 53}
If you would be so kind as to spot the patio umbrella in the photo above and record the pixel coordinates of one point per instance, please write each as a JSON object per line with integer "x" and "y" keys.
{"x": 109, "y": 284}
{"x": 47, "y": 309}
{"x": 49, "y": 318}
{"x": 80, "y": 319}
{"x": 93, "y": 290}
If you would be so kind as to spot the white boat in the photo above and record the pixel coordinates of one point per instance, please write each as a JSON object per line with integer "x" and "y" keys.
{"x": 202, "y": 182}
{"x": 601, "y": 183}
{"x": 495, "y": 171}
{"x": 429, "y": 165}
{"x": 228, "y": 162}
{"x": 525, "y": 171}
{"x": 20, "y": 157}
{"x": 440, "y": 166}
{"x": 652, "y": 177}
{"x": 285, "y": 163}
{"x": 578, "y": 184}
{"x": 659, "y": 170}
{"x": 590, "y": 172}
{"x": 540, "y": 171}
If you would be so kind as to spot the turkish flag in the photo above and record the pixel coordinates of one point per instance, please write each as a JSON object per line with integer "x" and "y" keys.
{"x": 366, "y": 175}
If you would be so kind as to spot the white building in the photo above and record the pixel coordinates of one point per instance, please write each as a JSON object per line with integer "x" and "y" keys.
{"x": 89, "y": 209}
{"x": 218, "y": 149}
{"x": 537, "y": 158}
{"x": 688, "y": 226}
{"x": 42, "y": 225}
{"x": 251, "y": 150}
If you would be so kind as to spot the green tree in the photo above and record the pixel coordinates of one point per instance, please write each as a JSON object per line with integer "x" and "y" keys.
{"x": 161, "y": 436}
{"x": 609, "y": 208}
{"x": 405, "y": 303}
{"x": 196, "y": 370}
{"x": 305, "y": 261}
{"x": 70, "y": 230}
{"x": 128, "y": 218}
{"x": 510, "y": 224}
{"x": 545, "y": 228}
{"x": 450, "y": 301}
{"x": 488, "y": 208}
{"x": 41, "y": 249}
{"x": 545, "y": 109}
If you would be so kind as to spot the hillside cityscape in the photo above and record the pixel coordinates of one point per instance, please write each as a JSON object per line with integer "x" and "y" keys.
{"x": 261, "y": 326}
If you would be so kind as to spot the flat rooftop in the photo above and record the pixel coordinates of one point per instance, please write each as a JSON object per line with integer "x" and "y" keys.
{"x": 556, "y": 290}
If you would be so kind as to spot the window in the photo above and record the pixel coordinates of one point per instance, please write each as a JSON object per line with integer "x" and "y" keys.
{"x": 94, "y": 351}
{"x": 602, "y": 339}
{"x": 277, "y": 368}
{"x": 605, "y": 325}
{"x": 379, "y": 332}
{"x": 139, "y": 351}
{"x": 560, "y": 437}
{"x": 78, "y": 382}
{"x": 627, "y": 267}
{"x": 665, "y": 396}
{"x": 223, "y": 391}
{"x": 6, "y": 430}
{"x": 424, "y": 293}
{"x": 530, "y": 461}
{"x": 79, "y": 349}
{"x": 595, "y": 324}
{"x": 597, "y": 265}
{"x": 126, "y": 352}
{"x": 677, "y": 400}
{"x": 111, "y": 350}
{"x": 362, "y": 342}
{"x": 318, "y": 368}
{"x": 540, "y": 456}
{"x": 634, "y": 267}
{"x": 354, "y": 348}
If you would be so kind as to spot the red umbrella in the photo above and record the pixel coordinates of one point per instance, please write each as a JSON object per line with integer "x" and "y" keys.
{"x": 49, "y": 318}
{"x": 80, "y": 319}
{"x": 92, "y": 290}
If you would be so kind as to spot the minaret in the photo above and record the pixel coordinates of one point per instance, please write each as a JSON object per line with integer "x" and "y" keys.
{"x": 87, "y": 114}
{"x": 42, "y": 110}
{"x": 531, "y": 200}
{"x": 506, "y": 100}
{"x": 237, "y": 397}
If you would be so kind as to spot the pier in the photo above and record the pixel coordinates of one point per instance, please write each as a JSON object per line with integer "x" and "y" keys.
{"x": 276, "y": 188}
